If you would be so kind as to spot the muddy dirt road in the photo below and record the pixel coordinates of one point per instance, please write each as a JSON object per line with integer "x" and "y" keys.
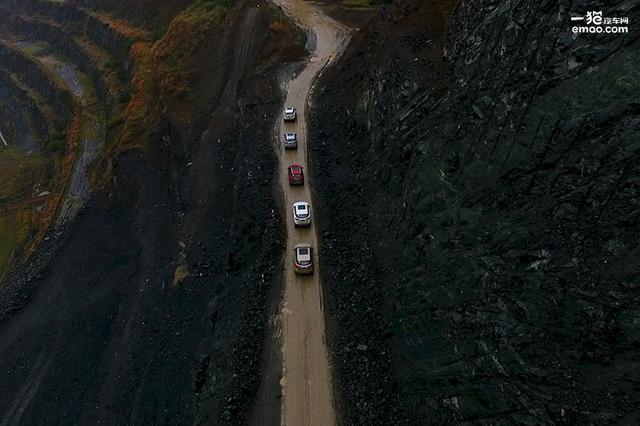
{"x": 306, "y": 382}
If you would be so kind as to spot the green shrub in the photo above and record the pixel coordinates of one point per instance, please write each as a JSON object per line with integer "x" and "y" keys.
{"x": 116, "y": 121}
{"x": 159, "y": 33}
{"x": 57, "y": 142}
{"x": 125, "y": 96}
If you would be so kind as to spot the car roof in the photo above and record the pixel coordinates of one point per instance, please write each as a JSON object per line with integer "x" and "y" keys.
{"x": 300, "y": 208}
{"x": 305, "y": 257}
{"x": 303, "y": 246}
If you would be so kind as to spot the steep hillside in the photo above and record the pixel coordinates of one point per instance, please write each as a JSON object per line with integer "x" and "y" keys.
{"x": 148, "y": 305}
{"x": 479, "y": 163}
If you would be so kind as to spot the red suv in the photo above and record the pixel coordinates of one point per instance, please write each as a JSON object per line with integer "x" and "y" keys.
{"x": 296, "y": 176}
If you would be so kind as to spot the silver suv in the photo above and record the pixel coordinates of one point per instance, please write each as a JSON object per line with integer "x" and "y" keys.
{"x": 290, "y": 140}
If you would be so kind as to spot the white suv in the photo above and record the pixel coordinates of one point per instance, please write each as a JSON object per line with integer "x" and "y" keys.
{"x": 289, "y": 114}
{"x": 301, "y": 214}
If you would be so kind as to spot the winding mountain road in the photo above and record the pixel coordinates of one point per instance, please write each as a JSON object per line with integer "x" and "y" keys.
{"x": 306, "y": 381}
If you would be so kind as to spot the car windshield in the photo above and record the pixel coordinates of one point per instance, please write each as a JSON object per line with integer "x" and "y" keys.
{"x": 303, "y": 252}
{"x": 302, "y": 208}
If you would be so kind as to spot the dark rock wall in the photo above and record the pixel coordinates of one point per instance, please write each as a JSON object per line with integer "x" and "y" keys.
{"x": 481, "y": 248}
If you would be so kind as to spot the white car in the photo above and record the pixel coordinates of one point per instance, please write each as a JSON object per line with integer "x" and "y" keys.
{"x": 303, "y": 261}
{"x": 301, "y": 214}
{"x": 290, "y": 140}
{"x": 289, "y": 114}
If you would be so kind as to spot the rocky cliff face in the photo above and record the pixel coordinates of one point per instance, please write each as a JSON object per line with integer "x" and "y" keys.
{"x": 479, "y": 164}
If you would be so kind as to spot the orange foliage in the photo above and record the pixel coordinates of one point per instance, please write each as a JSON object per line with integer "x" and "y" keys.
{"x": 123, "y": 27}
{"x": 163, "y": 78}
{"x": 135, "y": 129}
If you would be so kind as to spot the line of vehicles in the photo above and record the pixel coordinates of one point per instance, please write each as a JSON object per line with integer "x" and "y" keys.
{"x": 303, "y": 252}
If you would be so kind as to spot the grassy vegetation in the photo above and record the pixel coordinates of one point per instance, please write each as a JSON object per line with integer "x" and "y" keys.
{"x": 163, "y": 68}
{"x": 125, "y": 96}
{"x": 189, "y": 32}
{"x": 19, "y": 175}
{"x": 159, "y": 33}
{"x": 116, "y": 121}
{"x": 24, "y": 213}
{"x": 19, "y": 172}
{"x": 364, "y": 3}
{"x": 8, "y": 238}
{"x": 57, "y": 141}
{"x": 205, "y": 14}
{"x": 15, "y": 228}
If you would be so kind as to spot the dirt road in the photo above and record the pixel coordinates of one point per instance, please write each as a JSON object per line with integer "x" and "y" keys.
{"x": 306, "y": 381}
